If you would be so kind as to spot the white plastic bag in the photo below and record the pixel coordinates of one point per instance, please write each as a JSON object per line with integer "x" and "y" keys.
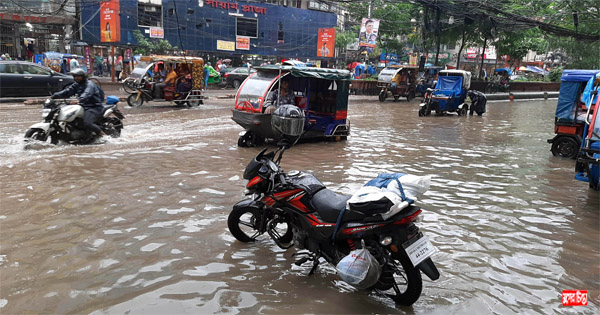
{"x": 413, "y": 186}
{"x": 359, "y": 269}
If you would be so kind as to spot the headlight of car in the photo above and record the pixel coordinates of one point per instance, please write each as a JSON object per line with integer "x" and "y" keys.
{"x": 45, "y": 112}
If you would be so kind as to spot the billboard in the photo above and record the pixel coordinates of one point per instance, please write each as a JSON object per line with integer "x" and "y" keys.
{"x": 242, "y": 42}
{"x": 326, "y": 43}
{"x": 368, "y": 33}
{"x": 110, "y": 21}
{"x": 225, "y": 45}
{"x": 157, "y": 32}
{"x": 474, "y": 52}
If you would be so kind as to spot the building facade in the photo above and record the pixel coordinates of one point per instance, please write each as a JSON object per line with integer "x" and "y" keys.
{"x": 31, "y": 27}
{"x": 266, "y": 28}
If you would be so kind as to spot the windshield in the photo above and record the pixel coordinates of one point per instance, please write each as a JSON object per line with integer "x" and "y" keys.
{"x": 140, "y": 71}
{"x": 255, "y": 86}
{"x": 387, "y": 74}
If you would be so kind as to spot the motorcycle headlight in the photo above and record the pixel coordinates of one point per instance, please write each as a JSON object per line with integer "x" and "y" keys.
{"x": 45, "y": 112}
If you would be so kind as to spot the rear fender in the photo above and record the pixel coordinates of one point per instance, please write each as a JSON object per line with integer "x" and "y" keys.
{"x": 429, "y": 269}
{"x": 42, "y": 125}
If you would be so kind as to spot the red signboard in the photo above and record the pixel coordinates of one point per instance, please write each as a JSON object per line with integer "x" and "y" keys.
{"x": 110, "y": 21}
{"x": 242, "y": 42}
{"x": 326, "y": 44}
{"x": 574, "y": 297}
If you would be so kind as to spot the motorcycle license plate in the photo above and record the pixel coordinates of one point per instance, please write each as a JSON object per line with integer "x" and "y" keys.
{"x": 418, "y": 248}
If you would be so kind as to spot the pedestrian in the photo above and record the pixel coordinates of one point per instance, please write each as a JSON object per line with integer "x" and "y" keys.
{"x": 8, "y": 57}
{"x": 3, "y": 57}
{"x": 119, "y": 68}
{"x": 74, "y": 64}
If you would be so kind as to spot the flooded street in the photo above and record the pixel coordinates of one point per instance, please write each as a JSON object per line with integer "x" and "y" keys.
{"x": 139, "y": 225}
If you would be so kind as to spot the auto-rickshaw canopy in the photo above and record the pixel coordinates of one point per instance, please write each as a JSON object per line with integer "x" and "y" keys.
{"x": 387, "y": 75}
{"x": 572, "y": 83}
{"x": 172, "y": 59}
{"x": 466, "y": 75}
{"x": 310, "y": 72}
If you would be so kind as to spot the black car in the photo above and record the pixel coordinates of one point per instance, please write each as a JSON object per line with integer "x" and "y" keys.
{"x": 23, "y": 78}
{"x": 236, "y": 76}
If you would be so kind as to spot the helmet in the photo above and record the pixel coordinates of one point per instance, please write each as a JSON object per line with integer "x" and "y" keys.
{"x": 77, "y": 72}
{"x": 287, "y": 121}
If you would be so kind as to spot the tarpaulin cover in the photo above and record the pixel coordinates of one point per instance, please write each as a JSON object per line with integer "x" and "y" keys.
{"x": 449, "y": 85}
{"x": 503, "y": 70}
{"x": 570, "y": 84}
{"x": 587, "y": 93}
{"x": 577, "y": 75}
{"x": 567, "y": 100}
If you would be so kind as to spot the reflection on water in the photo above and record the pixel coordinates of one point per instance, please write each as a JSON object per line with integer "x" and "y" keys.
{"x": 139, "y": 224}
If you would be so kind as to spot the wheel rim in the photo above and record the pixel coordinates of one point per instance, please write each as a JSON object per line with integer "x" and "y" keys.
{"x": 567, "y": 148}
{"x": 247, "y": 223}
{"x": 236, "y": 84}
{"x": 193, "y": 103}
{"x": 135, "y": 100}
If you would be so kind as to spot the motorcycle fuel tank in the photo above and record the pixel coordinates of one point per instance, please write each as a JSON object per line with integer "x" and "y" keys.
{"x": 68, "y": 113}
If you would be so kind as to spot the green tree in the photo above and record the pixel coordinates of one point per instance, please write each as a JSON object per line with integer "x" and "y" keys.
{"x": 517, "y": 44}
{"x": 148, "y": 46}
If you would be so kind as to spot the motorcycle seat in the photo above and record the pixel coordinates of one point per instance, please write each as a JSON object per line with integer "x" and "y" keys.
{"x": 329, "y": 204}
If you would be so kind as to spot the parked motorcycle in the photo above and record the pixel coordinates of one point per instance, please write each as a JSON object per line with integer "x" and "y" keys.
{"x": 64, "y": 122}
{"x": 295, "y": 208}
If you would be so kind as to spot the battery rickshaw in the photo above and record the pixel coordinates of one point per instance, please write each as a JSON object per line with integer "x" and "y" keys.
{"x": 449, "y": 94}
{"x": 569, "y": 120}
{"x": 320, "y": 96}
{"x": 588, "y": 158}
{"x": 186, "y": 90}
{"x": 397, "y": 81}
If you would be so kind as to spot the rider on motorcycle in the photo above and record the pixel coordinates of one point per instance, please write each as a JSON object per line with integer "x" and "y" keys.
{"x": 90, "y": 98}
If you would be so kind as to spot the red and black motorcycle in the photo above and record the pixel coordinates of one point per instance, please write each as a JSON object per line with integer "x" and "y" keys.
{"x": 295, "y": 208}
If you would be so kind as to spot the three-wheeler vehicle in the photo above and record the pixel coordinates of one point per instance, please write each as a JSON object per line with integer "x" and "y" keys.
{"x": 569, "y": 121}
{"x": 397, "y": 81}
{"x": 588, "y": 159}
{"x": 186, "y": 90}
{"x": 320, "y": 96}
{"x": 449, "y": 94}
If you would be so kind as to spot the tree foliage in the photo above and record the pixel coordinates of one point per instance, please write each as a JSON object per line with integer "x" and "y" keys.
{"x": 543, "y": 26}
{"x": 148, "y": 46}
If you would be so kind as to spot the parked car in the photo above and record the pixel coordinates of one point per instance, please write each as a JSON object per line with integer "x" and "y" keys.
{"x": 23, "y": 78}
{"x": 236, "y": 76}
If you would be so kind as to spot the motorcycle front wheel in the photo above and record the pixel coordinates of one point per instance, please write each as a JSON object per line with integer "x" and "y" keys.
{"x": 244, "y": 225}
{"x": 36, "y": 134}
{"x": 400, "y": 280}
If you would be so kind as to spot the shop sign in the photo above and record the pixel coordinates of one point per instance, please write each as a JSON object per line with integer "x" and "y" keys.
{"x": 490, "y": 53}
{"x": 225, "y": 45}
{"x": 110, "y": 21}
{"x": 234, "y": 6}
{"x": 242, "y": 42}
{"x": 157, "y": 32}
{"x": 88, "y": 61}
{"x": 326, "y": 42}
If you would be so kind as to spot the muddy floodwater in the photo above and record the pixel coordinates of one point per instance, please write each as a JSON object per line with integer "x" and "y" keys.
{"x": 138, "y": 225}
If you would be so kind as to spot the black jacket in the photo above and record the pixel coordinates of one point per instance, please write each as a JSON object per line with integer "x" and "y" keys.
{"x": 88, "y": 93}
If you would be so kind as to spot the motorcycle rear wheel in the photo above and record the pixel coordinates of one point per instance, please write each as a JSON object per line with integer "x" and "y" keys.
{"x": 402, "y": 283}
{"x": 244, "y": 223}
